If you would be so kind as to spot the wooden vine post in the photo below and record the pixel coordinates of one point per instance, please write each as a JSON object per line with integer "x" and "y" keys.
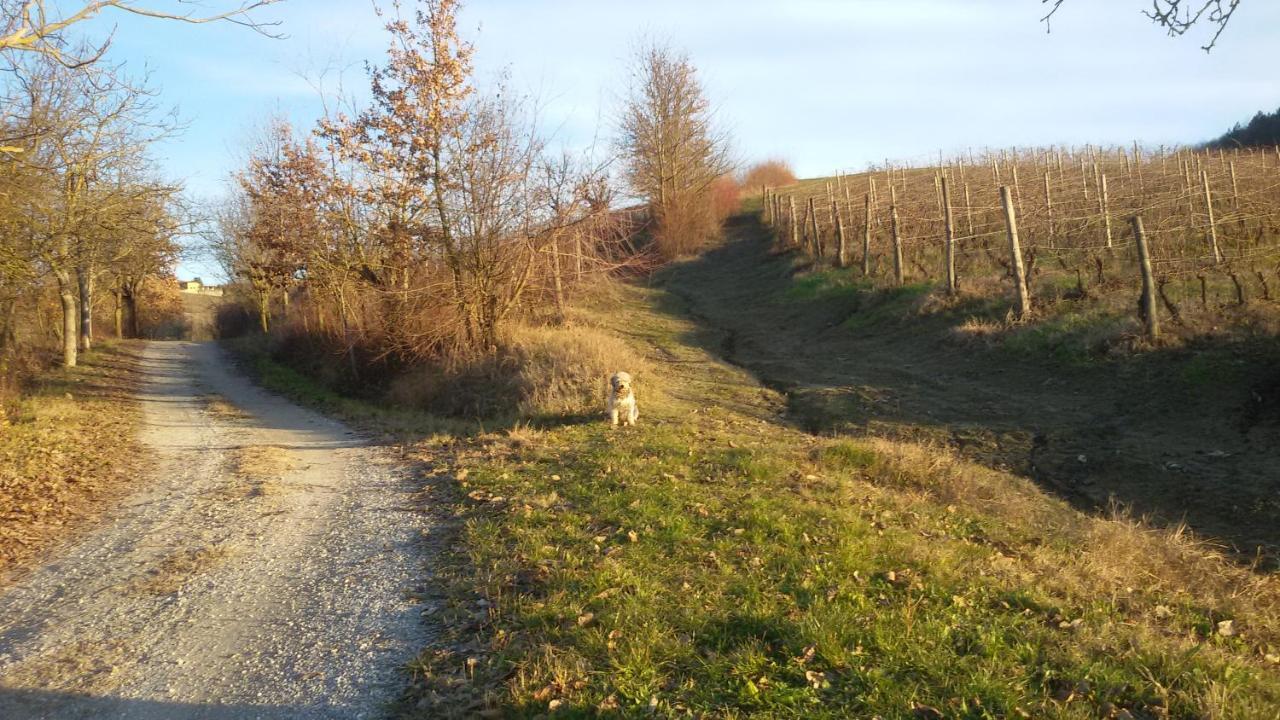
{"x": 795, "y": 227}
{"x": 1048, "y": 204}
{"x": 897, "y": 239}
{"x": 1103, "y": 202}
{"x": 1148, "y": 302}
{"x": 842, "y": 253}
{"x": 817, "y": 236}
{"x": 949, "y": 233}
{"x": 1235, "y": 188}
{"x": 968, "y": 209}
{"x": 1213, "y": 228}
{"x": 1015, "y": 254}
{"x": 866, "y": 236}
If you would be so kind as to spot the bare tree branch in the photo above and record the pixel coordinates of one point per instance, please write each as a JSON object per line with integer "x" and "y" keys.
{"x": 29, "y": 26}
{"x": 1178, "y": 16}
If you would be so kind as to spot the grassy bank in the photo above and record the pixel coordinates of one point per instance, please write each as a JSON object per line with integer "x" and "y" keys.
{"x": 717, "y": 562}
{"x": 70, "y": 444}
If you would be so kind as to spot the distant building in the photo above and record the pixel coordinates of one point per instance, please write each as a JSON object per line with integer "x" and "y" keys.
{"x": 197, "y": 287}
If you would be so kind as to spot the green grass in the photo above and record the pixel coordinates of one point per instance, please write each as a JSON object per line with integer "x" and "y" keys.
{"x": 1070, "y": 336}
{"x": 887, "y": 305}
{"x": 827, "y": 284}
{"x": 714, "y": 562}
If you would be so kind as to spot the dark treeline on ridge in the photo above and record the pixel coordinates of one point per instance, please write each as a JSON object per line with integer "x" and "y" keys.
{"x": 1263, "y": 129}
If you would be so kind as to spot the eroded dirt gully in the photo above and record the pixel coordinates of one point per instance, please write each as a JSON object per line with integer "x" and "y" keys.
{"x": 266, "y": 569}
{"x": 1178, "y": 436}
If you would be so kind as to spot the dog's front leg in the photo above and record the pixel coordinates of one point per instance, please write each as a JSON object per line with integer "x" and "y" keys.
{"x": 613, "y": 415}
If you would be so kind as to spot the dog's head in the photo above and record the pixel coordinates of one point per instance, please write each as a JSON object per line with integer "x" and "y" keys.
{"x": 621, "y": 384}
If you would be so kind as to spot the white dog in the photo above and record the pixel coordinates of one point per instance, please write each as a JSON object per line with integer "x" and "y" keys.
{"x": 622, "y": 400}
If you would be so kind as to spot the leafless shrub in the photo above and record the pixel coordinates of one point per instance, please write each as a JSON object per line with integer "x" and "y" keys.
{"x": 770, "y": 173}
{"x": 673, "y": 151}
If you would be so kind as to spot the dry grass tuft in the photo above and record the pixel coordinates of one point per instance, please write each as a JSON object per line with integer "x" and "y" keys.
{"x": 87, "y": 664}
{"x": 172, "y": 572}
{"x": 218, "y": 406}
{"x": 979, "y": 332}
{"x": 258, "y": 469}
{"x": 566, "y": 370}
{"x": 538, "y": 371}
{"x": 264, "y": 461}
{"x": 1102, "y": 555}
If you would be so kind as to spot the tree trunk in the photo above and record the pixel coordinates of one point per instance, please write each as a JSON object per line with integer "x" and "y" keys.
{"x": 133, "y": 326}
{"x": 118, "y": 294}
{"x": 577, "y": 249}
{"x": 70, "y": 329}
{"x": 556, "y": 282}
{"x": 264, "y": 311}
{"x": 84, "y": 285}
{"x": 8, "y": 334}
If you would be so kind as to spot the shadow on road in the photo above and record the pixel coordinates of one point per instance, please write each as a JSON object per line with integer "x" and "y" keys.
{"x": 51, "y": 705}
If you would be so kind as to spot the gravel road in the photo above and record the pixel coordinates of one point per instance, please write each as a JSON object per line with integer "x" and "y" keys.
{"x": 264, "y": 568}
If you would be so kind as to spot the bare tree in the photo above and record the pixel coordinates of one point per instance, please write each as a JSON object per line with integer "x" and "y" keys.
{"x": 1180, "y": 16}
{"x": 671, "y": 146}
{"x": 418, "y": 227}
{"x": 85, "y": 134}
{"x": 39, "y": 26}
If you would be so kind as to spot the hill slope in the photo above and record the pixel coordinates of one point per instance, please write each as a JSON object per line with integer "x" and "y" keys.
{"x": 722, "y": 561}
{"x": 1179, "y": 434}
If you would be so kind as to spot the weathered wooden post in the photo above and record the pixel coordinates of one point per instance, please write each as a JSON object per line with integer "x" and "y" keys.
{"x": 1103, "y": 206}
{"x": 764, "y": 204}
{"x": 875, "y": 201}
{"x": 1148, "y": 302}
{"x": 1048, "y": 204}
{"x": 897, "y": 239}
{"x": 866, "y": 236}
{"x": 1213, "y": 228}
{"x": 795, "y": 227}
{"x": 968, "y": 209}
{"x": 1015, "y": 254}
{"x": 1235, "y": 188}
{"x": 949, "y": 231}
{"x": 817, "y": 234}
{"x": 1017, "y": 188}
{"x": 842, "y": 253}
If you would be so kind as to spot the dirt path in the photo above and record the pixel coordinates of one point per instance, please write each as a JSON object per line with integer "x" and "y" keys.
{"x": 266, "y": 570}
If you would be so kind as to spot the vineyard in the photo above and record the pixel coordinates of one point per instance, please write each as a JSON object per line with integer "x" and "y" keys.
{"x": 1187, "y": 238}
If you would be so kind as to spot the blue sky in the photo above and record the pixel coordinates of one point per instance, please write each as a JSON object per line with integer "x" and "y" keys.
{"x": 826, "y": 84}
